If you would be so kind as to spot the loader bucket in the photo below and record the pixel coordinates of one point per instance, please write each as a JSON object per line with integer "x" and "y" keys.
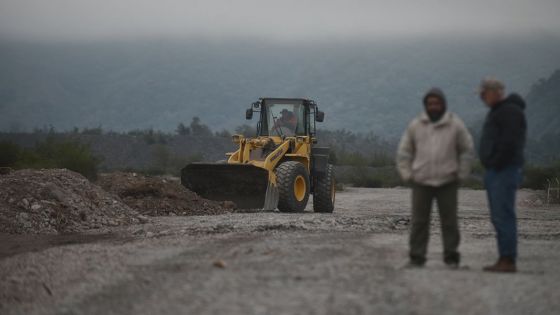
{"x": 246, "y": 185}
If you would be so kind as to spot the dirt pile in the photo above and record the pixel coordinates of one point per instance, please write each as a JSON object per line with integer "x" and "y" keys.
{"x": 57, "y": 201}
{"x": 158, "y": 195}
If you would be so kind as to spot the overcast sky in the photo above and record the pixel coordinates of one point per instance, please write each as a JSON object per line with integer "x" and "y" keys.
{"x": 282, "y": 19}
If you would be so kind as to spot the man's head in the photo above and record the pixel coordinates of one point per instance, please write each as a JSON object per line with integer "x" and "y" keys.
{"x": 491, "y": 91}
{"x": 435, "y": 104}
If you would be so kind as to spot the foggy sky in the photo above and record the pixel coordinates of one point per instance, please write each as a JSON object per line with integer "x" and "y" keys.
{"x": 286, "y": 19}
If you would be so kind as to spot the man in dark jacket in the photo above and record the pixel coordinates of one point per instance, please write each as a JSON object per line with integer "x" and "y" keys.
{"x": 501, "y": 152}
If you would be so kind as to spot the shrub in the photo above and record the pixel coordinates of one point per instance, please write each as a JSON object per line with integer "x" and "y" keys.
{"x": 92, "y": 131}
{"x": 70, "y": 154}
{"x": 376, "y": 159}
{"x": 363, "y": 176}
{"x": 165, "y": 162}
{"x": 535, "y": 177}
{"x": 9, "y": 154}
{"x": 51, "y": 153}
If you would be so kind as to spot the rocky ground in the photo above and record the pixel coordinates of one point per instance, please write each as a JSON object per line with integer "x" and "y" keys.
{"x": 349, "y": 262}
{"x": 58, "y": 201}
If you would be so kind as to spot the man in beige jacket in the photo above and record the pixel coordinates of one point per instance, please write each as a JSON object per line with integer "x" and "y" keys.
{"x": 434, "y": 154}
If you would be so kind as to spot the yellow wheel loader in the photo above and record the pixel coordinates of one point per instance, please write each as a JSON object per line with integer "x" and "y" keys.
{"x": 279, "y": 168}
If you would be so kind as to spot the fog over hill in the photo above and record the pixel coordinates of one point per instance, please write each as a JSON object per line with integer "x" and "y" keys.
{"x": 368, "y": 85}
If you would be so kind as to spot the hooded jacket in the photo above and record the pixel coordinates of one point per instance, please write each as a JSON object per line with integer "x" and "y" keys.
{"x": 504, "y": 134}
{"x": 435, "y": 153}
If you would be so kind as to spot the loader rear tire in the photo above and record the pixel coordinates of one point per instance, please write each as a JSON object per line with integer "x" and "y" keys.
{"x": 325, "y": 191}
{"x": 293, "y": 186}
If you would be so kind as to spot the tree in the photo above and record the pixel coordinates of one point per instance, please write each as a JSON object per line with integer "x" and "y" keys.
{"x": 183, "y": 130}
{"x": 9, "y": 153}
{"x": 224, "y": 134}
{"x": 199, "y": 129}
{"x": 246, "y": 130}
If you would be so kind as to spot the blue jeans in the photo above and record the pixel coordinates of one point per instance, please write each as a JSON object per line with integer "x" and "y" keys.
{"x": 501, "y": 186}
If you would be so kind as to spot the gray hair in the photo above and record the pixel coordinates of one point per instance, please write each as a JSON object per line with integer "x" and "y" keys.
{"x": 491, "y": 84}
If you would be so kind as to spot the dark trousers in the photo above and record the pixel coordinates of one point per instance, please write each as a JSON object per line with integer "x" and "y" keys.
{"x": 422, "y": 200}
{"x": 501, "y": 187}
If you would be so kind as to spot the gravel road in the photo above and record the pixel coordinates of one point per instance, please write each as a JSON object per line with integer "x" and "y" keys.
{"x": 349, "y": 262}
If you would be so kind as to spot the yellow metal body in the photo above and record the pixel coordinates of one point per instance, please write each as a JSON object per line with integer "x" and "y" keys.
{"x": 297, "y": 148}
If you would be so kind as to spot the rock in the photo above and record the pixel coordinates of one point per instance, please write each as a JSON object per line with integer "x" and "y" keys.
{"x": 229, "y": 204}
{"x": 56, "y": 193}
{"x": 143, "y": 219}
{"x": 56, "y": 201}
{"x": 150, "y": 234}
{"x": 219, "y": 264}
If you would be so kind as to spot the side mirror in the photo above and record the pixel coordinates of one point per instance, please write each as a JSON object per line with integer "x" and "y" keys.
{"x": 319, "y": 116}
{"x": 249, "y": 114}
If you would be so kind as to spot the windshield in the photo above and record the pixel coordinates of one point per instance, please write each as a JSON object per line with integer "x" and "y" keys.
{"x": 285, "y": 119}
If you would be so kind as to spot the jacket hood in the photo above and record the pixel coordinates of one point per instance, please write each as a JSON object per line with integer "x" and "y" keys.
{"x": 437, "y": 92}
{"x": 515, "y": 99}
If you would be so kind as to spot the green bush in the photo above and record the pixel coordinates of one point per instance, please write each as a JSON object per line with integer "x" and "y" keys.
{"x": 69, "y": 154}
{"x": 51, "y": 153}
{"x": 9, "y": 154}
{"x": 150, "y": 136}
{"x": 473, "y": 182}
{"x": 535, "y": 177}
{"x": 363, "y": 176}
{"x": 167, "y": 163}
{"x": 377, "y": 159}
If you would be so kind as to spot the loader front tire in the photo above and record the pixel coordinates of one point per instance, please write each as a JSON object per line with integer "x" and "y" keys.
{"x": 293, "y": 186}
{"x": 324, "y": 192}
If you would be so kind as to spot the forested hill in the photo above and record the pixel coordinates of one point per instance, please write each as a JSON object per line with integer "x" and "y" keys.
{"x": 369, "y": 85}
{"x": 543, "y": 110}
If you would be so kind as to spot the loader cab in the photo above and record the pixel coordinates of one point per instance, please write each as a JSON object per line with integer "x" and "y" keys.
{"x": 286, "y": 117}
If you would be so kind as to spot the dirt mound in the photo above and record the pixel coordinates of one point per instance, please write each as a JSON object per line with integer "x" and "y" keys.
{"x": 158, "y": 195}
{"x": 57, "y": 201}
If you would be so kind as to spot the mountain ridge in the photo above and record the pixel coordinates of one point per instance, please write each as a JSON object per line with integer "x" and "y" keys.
{"x": 362, "y": 86}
